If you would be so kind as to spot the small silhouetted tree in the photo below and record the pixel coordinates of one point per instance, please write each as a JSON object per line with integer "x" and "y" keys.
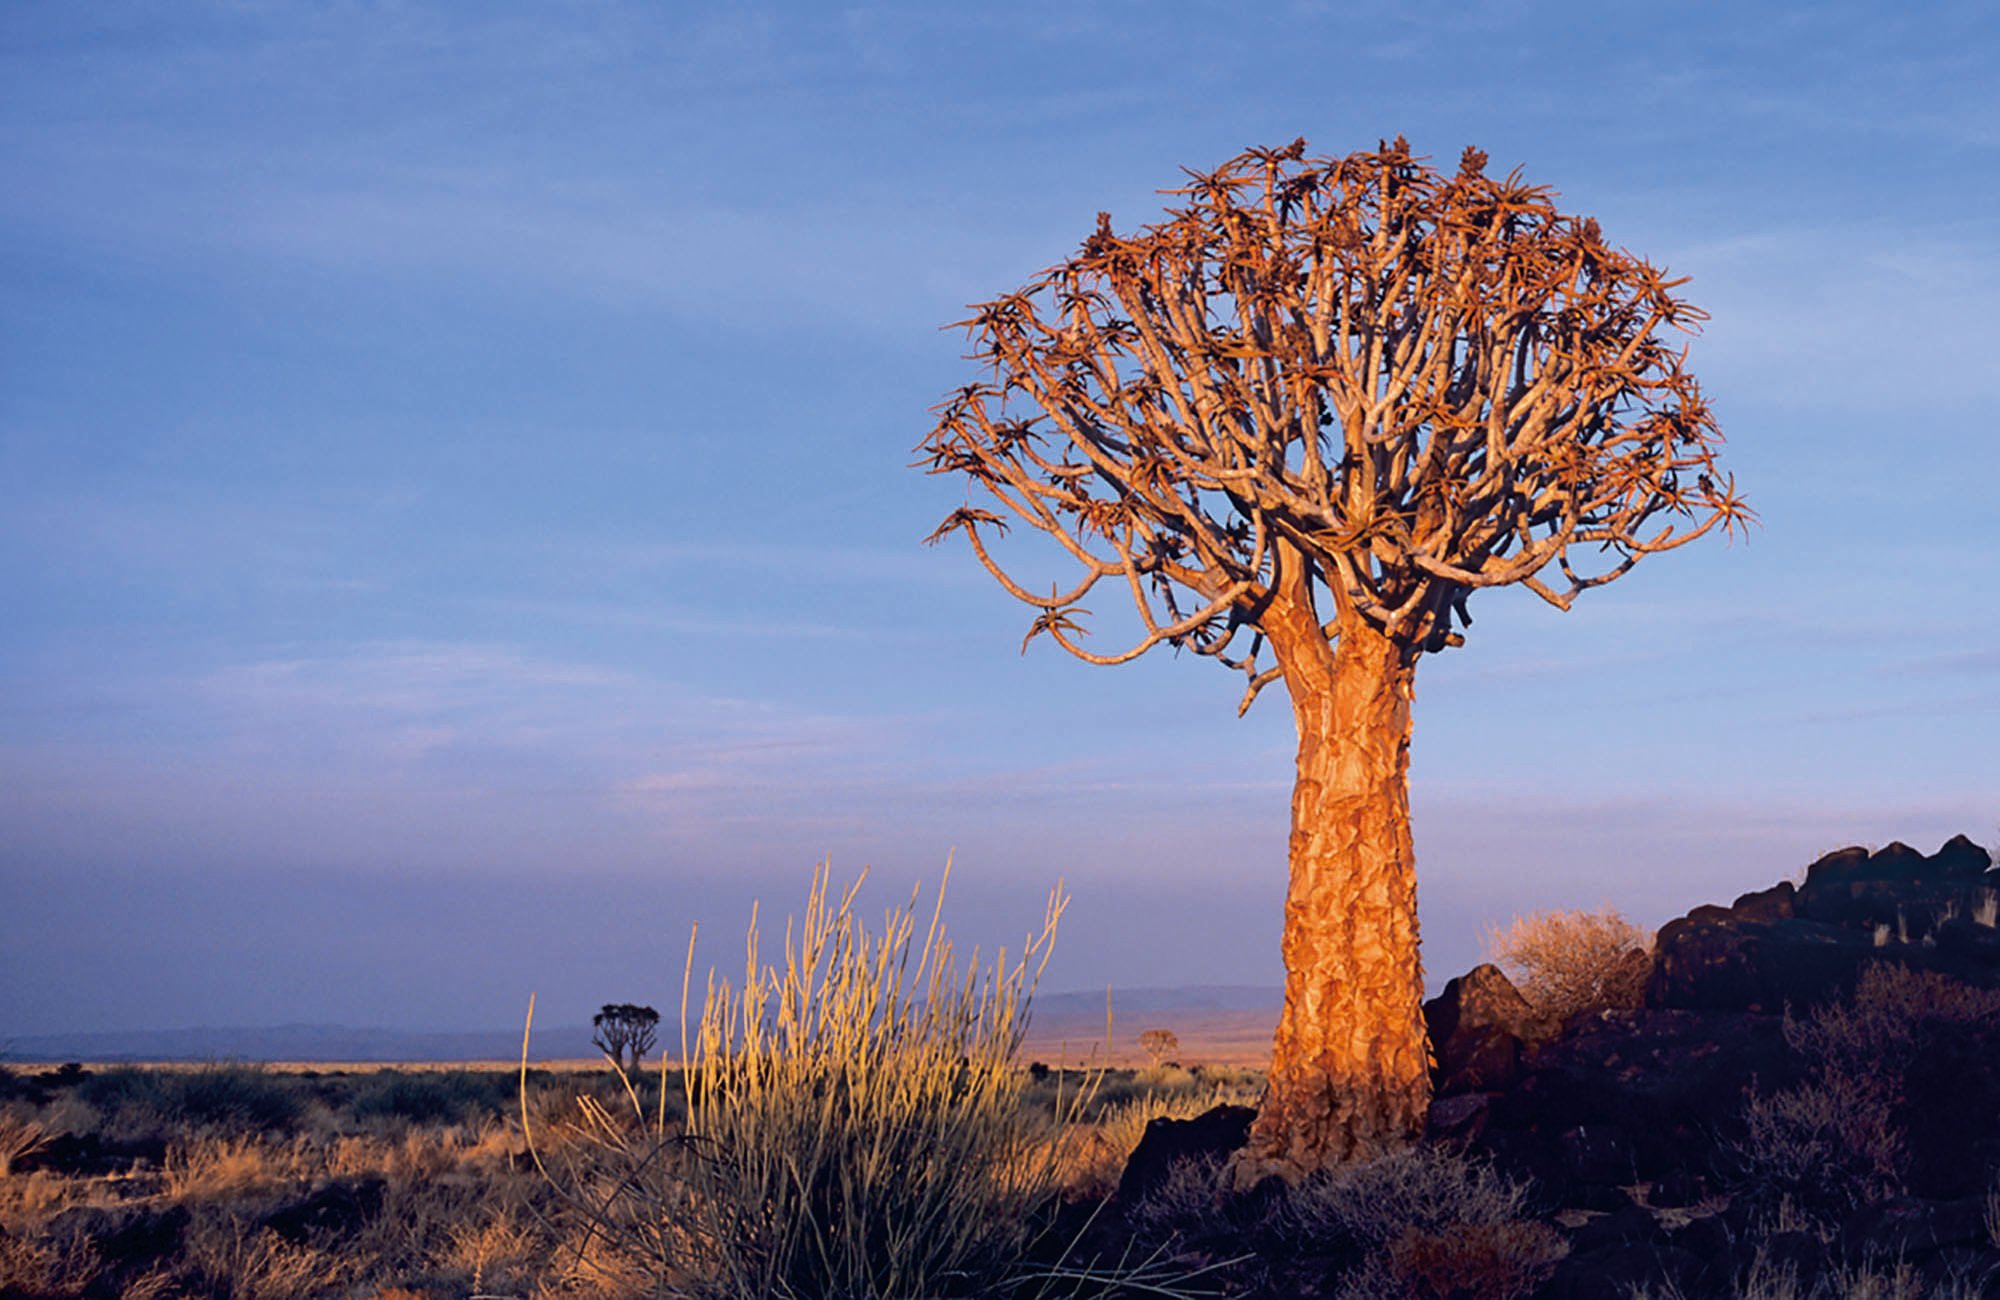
{"x": 1309, "y": 414}
{"x": 1159, "y": 1044}
{"x": 624, "y": 1033}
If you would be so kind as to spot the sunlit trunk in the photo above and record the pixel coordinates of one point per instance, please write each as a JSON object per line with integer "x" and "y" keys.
{"x": 1350, "y": 1067}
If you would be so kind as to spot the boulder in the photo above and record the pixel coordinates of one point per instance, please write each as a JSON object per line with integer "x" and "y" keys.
{"x": 339, "y": 1208}
{"x": 1778, "y": 903}
{"x": 1459, "y": 1118}
{"x": 1621, "y": 1272}
{"x": 129, "y": 1239}
{"x": 1480, "y": 1028}
{"x": 1212, "y": 1135}
{"x": 1895, "y": 886}
{"x": 1712, "y": 959}
{"x": 1798, "y": 1256}
{"x": 1658, "y": 1086}
{"x": 1629, "y": 1225}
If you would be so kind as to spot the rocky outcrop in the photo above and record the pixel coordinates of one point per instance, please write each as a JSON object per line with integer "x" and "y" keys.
{"x": 1796, "y": 947}
{"x": 1632, "y": 1123}
{"x": 1480, "y": 1028}
{"x": 1213, "y": 1135}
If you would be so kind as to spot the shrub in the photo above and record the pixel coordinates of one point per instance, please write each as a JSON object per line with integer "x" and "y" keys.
{"x": 1831, "y": 1144}
{"x": 1568, "y": 961}
{"x": 225, "y": 1097}
{"x": 855, "y": 1126}
{"x": 1368, "y": 1206}
{"x": 440, "y": 1097}
{"x": 1424, "y": 1222}
{"x": 18, "y": 1138}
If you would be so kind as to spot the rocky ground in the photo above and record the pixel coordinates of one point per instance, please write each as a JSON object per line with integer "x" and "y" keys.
{"x": 1807, "y": 1102}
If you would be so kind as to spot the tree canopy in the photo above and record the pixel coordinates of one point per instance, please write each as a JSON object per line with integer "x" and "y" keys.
{"x": 1424, "y": 383}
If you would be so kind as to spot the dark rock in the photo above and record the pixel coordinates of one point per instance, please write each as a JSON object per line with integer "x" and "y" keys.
{"x": 1766, "y": 905}
{"x": 1705, "y": 1238}
{"x": 1718, "y": 962}
{"x": 338, "y": 1209}
{"x": 1458, "y": 1119}
{"x": 1903, "y": 1226}
{"x": 90, "y": 1155}
{"x": 1962, "y": 858}
{"x": 1620, "y": 1272}
{"x": 1949, "y": 1110}
{"x": 1480, "y": 1026}
{"x": 1634, "y": 1224}
{"x": 1213, "y": 1135}
{"x": 129, "y": 1239}
{"x": 1669, "y": 1082}
{"x": 1896, "y": 887}
{"x": 1600, "y": 1154}
{"x": 1679, "y": 1187}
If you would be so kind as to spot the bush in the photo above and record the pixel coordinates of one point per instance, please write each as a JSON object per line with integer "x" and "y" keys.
{"x": 1425, "y": 1222}
{"x": 1566, "y": 962}
{"x": 1367, "y": 1206}
{"x": 440, "y": 1097}
{"x": 856, "y": 1127}
{"x": 224, "y": 1097}
{"x": 1831, "y": 1144}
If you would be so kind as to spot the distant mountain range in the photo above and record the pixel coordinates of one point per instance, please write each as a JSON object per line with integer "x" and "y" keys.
{"x": 1074, "y": 1017}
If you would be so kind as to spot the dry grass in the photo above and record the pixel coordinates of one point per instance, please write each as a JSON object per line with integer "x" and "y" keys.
{"x": 1567, "y": 962}
{"x": 438, "y": 1210}
{"x": 1425, "y": 1222}
{"x": 18, "y": 1138}
{"x": 856, "y": 1126}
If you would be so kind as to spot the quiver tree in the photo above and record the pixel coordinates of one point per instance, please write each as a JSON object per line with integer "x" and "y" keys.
{"x": 1297, "y": 424}
{"x": 624, "y": 1033}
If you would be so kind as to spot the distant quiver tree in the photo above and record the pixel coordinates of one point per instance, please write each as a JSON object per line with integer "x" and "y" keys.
{"x": 1308, "y": 415}
{"x": 624, "y": 1033}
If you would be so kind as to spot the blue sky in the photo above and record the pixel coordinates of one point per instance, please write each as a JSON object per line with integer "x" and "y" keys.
{"x": 457, "y": 530}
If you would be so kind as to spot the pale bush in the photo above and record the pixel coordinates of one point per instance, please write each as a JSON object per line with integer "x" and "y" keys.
{"x": 18, "y": 1138}
{"x": 220, "y": 1168}
{"x": 1570, "y": 961}
{"x": 1370, "y": 1205}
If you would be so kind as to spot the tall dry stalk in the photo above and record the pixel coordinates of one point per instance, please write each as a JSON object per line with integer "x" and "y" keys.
{"x": 856, "y": 1126}
{"x": 856, "y": 1118}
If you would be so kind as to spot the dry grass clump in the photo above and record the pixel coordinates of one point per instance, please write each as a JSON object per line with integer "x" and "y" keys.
{"x": 1565, "y": 962}
{"x": 18, "y": 1138}
{"x": 855, "y": 1127}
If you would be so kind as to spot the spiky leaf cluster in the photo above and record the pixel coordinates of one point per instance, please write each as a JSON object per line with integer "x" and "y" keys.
{"x": 1414, "y": 384}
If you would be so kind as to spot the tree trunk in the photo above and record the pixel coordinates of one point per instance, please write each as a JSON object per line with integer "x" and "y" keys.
{"x": 1350, "y": 1067}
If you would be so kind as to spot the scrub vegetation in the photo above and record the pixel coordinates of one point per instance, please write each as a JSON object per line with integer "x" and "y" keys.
{"x": 853, "y": 1119}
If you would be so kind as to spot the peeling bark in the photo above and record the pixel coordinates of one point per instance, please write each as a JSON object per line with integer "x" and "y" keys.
{"x": 1350, "y": 1066}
